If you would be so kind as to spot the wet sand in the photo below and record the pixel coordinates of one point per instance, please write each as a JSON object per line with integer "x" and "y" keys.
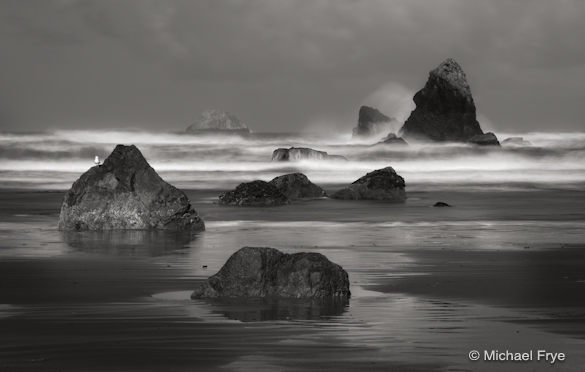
{"x": 496, "y": 271}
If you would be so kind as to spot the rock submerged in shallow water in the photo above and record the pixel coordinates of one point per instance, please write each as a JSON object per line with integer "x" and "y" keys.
{"x": 381, "y": 184}
{"x": 393, "y": 139}
{"x": 302, "y": 153}
{"x": 516, "y": 141}
{"x": 254, "y": 272}
{"x": 487, "y": 139}
{"x": 126, "y": 193}
{"x": 371, "y": 123}
{"x": 254, "y": 194}
{"x": 217, "y": 121}
{"x": 445, "y": 110}
{"x": 441, "y": 204}
{"x": 297, "y": 186}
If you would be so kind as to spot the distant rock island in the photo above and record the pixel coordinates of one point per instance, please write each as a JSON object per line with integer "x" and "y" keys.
{"x": 217, "y": 121}
{"x": 254, "y": 272}
{"x": 381, "y": 184}
{"x": 445, "y": 110}
{"x": 371, "y": 123}
{"x": 302, "y": 153}
{"x": 126, "y": 193}
{"x": 516, "y": 141}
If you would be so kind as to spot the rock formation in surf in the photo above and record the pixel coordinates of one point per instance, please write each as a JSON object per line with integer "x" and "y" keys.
{"x": 382, "y": 184}
{"x": 516, "y": 141}
{"x": 255, "y": 272}
{"x": 445, "y": 110}
{"x": 302, "y": 153}
{"x": 372, "y": 123}
{"x": 440, "y": 204}
{"x": 216, "y": 121}
{"x": 297, "y": 186}
{"x": 393, "y": 139}
{"x": 126, "y": 193}
{"x": 254, "y": 194}
{"x": 486, "y": 139}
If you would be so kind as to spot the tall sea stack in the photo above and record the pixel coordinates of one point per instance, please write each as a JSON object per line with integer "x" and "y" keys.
{"x": 445, "y": 110}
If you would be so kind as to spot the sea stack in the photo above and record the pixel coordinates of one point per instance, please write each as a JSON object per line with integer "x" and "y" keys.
{"x": 302, "y": 153}
{"x": 445, "y": 110}
{"x": 297, "y": 186}
{"x": 125, "y": 193}
{"x": 382, "y": 184}
{"x": 372, "y": 123}
{"x": 216, "y": 121}
{"x": 254, "y": 272}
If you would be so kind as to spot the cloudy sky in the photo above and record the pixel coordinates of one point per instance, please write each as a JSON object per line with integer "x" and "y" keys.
{"x": 284, "y": 65}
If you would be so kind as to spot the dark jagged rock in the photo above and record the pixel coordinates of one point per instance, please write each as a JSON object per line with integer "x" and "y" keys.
{"x": 381, "y": 184}
{"x": 393, "y": 139}
{"x": 215, "y": 121}
{"x": 445, "y": 110}
{"x": 516, "y": 141}
{"x": 126, "y": 193}
{"x": 372, "y": 122}
{"x": 254, "y": 194}
{"x": 487, "y": 139}
{"x": 302, "y": 153}
{"x": 441, "y": 204}
{"x": 254, "y": 272}
{"x": 296, "y": 186}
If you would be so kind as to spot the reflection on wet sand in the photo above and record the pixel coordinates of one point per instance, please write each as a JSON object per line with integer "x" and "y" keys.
{"x": 151, "y": 243}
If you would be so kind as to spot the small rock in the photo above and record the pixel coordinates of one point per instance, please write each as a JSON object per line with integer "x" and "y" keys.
{"x": 302, "y": 153}
{"x": 441, "y": 204}
{"x": 254, "y": 194}
{"x": 382, "y": 184}
{"x": 296, "y": 186}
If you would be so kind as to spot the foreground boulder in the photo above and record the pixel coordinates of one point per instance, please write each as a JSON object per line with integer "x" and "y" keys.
{"x": 254, "y": 194}
{"x": 516, "y": 141}
{"x": 266, "y": 272}
{"x": 126, "y": 193}
{"x": 215, "y": 121}
{"x": 393, "y": 139}
{"x": 445, "y": 110}
{"x": 372, "y": 123}
{"x": 487, "y": 139}
{"x": 302, "y": 153}
{"x": 381, "y": 184}
{"x": 297, "y": 186}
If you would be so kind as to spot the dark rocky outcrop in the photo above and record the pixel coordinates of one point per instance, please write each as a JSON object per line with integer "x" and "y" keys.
{"x": 215, "y": 121}
{"x": 516, "y": 141}
{"x": 254, "y": 272}
{"x": 486, "y": 139}
{"x": 254, "y": 194}
{"x": 381, "y": 184}
{"x": 441, "y": 204}
{"x": 445, "y": 110}
{"x": 296, "y": 186}
{"x": 302, "y": 153}
{"x": 126, "y": 193}
{"x": 393, "y": 139}
{"x": 372, "y": 122}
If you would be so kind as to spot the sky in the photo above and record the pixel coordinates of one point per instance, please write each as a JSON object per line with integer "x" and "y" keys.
{"x": 284, "y": 65}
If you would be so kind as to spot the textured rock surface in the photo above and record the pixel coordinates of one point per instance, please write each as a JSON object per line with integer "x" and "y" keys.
{"x": 445, "y": 110}
{"x": 393, "y": 139}
{"x": 126, "y": 193}
{"x": 302, "y": 153}
{"x": 487, "y": 139}
{"x": 516, "y": 141}
{"x": 254, "y": 194}
{"x": 296, "y": 186}
{"x": 381, "y": 184}
{"x": 372, "y": 122}
{"x": 267, "y": 272}
{"x": 218, "y": 121}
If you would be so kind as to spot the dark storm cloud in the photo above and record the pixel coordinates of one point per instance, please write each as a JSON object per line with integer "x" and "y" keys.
{"x": 283, "y": 65}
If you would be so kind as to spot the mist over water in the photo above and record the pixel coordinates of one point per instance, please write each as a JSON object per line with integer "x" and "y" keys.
{"x": 53, "y": 160}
